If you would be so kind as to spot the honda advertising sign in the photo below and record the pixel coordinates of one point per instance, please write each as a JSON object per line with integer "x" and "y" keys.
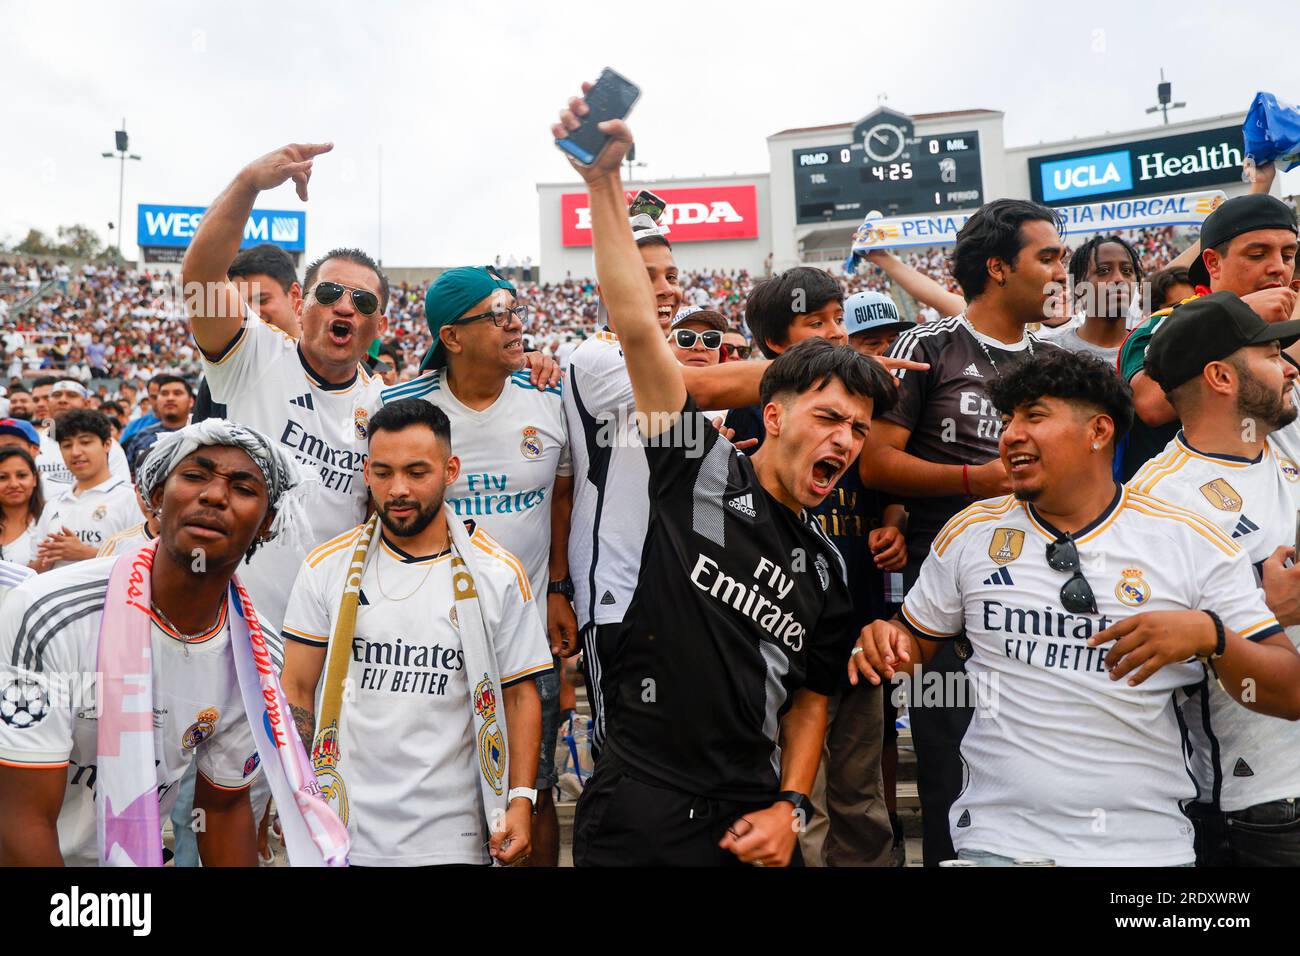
{"x": 700, "y": 214}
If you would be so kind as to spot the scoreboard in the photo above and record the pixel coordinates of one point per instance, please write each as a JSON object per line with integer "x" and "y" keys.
{"x": 887, "y": 168}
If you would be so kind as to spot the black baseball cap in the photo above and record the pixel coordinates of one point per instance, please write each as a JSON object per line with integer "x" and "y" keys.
{"x": 1234, "y": 217}
{"x": 1206, "y": 330}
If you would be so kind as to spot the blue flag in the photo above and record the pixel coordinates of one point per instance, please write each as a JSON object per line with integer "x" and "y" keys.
{"x": 1272, "y": 131}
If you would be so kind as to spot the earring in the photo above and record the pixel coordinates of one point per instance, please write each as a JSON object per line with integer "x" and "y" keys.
{"x": 1096, "y": 447}
{"x": 1002, "y": 282}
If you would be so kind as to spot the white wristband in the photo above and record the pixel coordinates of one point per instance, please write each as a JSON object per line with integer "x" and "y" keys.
{"x": 528, "y": 793}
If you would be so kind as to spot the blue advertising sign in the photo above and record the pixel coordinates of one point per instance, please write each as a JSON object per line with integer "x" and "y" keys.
{"x": 1092, "y": 175}
{"x": 172, "y": 227}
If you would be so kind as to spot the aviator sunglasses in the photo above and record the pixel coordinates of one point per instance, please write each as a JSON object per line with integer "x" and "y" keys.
{"x": 1076, "y": 593}
{"x": 327, "y": 293}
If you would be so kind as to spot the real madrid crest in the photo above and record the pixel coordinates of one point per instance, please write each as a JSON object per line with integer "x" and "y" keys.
{"x": 1289, "y": 469}
{"x": 1006, "y": 545}
{"x": 1132, "y": 589}
{"x": 204, "y": 726}
{"x": 325, "y": 758}
{"x": 531, "y": 446}
{"x": 361, "y": 422}
{"x": 99, "y": 512}
{"x": 491, "y": 746}
{"x": 823, "y": 571}
{"x": 1222, "y": 495}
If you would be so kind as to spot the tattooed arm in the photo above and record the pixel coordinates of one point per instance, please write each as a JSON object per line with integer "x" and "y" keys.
{"x": 303, "y": 664}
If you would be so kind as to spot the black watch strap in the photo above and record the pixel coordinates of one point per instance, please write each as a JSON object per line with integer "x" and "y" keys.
{"x": 800, "y": 800}
{"x": 1220, "y": 638}
{"x": 564, "y": 587}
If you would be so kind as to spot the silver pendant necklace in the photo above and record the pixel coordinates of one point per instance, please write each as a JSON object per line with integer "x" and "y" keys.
{"x": 1029, "y": 342}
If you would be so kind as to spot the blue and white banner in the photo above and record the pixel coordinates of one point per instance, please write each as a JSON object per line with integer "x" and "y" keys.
{"x": 164, "y": 227}
{"x": 1182, "y": 209}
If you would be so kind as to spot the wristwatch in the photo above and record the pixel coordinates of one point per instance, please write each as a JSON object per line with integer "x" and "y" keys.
{"x": 528, "y": 793}
{"x": 1220, "y": 640}
{"x": 801, "y": 802}
{"x": 564, "y": 587}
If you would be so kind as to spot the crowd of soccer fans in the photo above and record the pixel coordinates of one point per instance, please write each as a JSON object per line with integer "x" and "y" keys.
{"x": 763, "y": 511}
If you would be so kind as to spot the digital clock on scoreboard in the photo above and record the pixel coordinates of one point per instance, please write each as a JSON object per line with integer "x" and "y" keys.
{"x": 888, "y": 169}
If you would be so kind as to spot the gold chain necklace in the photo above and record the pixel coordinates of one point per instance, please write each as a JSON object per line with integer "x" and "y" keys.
{"x": 429, "y": 570}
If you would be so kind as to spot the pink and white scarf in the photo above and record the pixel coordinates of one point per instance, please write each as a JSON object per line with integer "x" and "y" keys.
{"x": 126, "y": 805}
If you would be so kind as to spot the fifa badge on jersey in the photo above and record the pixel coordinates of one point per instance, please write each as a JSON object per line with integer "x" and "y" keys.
{"x": 1006, "y": 545}
{"x": 204, "y": 726}
{"x": 491, "y": 748}
{"x": 251, "y": 763}
{"x": 1289, "y": 469}
{"x": 531, "y": 446}
{"x": 1222, "y": 495}
{"x": 361, "y": 422}
{"x": 98, "y": 513}
{"x": 325, "y": 758}
{"x": 1133, "y": 589}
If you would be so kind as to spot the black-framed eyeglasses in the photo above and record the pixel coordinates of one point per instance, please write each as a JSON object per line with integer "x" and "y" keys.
{"x": 686, "y": 338}
{"x": 1076, "y": 593}
{"x": 500, "y": 318}
{"x": 740, "y": 351}
{"x": 327, "y": 293}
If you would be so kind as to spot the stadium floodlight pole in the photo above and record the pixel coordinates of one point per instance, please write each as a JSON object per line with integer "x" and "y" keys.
{"x": 633, "y": 162}
{"x": 1164, "y": 93}
{"x": 122, "y": 155}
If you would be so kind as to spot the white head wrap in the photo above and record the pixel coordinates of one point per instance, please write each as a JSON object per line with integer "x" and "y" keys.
{"x": 284, "y": 477}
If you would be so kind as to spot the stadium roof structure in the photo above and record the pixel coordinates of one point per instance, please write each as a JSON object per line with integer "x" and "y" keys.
{"x": 918, "y": 117}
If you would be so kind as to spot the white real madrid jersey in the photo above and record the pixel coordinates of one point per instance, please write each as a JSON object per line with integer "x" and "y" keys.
{"x": 94, "y": 515}
{"x": 510, "y": 454}
{"x": 611, "y": 479}
{"x": 49, "y": 650}
{"x": 1240, "y": 757}
{"x": 1059, "y": 760}
{"x": 127, "y": 540}
{"x": 409, "y": 763}
{"x": 266, "y": 384}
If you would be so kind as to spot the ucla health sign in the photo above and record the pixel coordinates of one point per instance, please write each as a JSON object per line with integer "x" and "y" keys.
{"x": 1149, "y": 167}
{"x": 172, "y": 227}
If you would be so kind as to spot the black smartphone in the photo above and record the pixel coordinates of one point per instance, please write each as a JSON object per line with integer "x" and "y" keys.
{"x": 648, "y": 203}
{"x": 610, "y": 98}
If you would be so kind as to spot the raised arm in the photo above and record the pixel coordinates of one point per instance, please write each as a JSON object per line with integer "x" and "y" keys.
{"x": 916, "y": 284}
{"x": 211, "y": 300}
{"x": 625, "y": 288}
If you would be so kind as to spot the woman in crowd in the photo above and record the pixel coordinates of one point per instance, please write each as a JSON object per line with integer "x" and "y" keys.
{"x": 20, "y": 504}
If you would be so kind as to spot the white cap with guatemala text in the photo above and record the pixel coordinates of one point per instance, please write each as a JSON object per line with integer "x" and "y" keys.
{"x": 872, "y": 312}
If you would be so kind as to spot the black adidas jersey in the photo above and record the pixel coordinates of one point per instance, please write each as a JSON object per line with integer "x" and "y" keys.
{"x": 740, "y": 603}
{"x": 947, "y": 409}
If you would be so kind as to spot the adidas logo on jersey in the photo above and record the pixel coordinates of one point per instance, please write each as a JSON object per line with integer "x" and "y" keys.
{"x": 1244, "y": 527}
{"x": 303, "y": 401}
{"x": 1001, "y": 576}
{"x": 970, "y": 371}
{"x": 744, "y": 504}
{"x": 1242, "y": 769}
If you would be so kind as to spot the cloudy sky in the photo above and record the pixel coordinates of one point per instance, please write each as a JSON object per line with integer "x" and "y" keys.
{"x": 460, "y": 96}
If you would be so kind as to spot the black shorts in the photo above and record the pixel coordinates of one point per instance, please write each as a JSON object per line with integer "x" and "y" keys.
{"x": 624, "y": 820}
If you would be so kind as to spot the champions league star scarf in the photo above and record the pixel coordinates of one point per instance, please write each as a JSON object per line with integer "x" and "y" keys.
{"x": 126, "y": 805}
{"x": 480, "y": 666}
